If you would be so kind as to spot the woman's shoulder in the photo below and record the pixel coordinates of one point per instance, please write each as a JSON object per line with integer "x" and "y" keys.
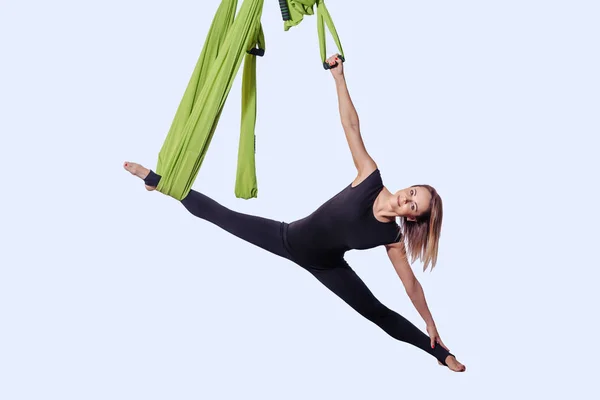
{"x": 367, "y": 177}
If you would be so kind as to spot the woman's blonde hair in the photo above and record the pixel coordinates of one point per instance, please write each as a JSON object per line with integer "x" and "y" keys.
{"x": 423, "y": 235}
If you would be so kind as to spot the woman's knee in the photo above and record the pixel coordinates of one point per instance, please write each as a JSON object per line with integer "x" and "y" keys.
{"x": 378, "y": 313}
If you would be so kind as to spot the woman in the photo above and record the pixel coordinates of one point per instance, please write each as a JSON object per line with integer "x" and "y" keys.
{"x": 361, "y": 216}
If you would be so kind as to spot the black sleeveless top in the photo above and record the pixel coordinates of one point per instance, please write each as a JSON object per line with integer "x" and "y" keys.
{"x": 345, "y": 222}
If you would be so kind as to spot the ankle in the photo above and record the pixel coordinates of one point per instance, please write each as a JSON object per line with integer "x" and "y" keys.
{"x": 152, "y": 180}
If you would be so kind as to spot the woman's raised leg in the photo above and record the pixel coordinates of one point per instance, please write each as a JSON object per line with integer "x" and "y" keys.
{"x": 262, "y": 232}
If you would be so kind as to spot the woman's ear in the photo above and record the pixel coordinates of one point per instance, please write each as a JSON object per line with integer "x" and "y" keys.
{"x": 411, "y": 219}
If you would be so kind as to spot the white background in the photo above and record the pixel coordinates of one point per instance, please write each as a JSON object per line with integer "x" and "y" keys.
{"x": 110, "y": 292}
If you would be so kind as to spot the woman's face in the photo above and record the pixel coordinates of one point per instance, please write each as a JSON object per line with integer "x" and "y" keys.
{"x": 412, "y": 202}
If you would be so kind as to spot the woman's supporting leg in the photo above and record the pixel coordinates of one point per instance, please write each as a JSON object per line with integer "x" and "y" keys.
{"x": 345, "y": 283}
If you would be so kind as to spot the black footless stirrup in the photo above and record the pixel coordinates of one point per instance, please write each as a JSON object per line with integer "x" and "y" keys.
{"x": 444, "y": 360}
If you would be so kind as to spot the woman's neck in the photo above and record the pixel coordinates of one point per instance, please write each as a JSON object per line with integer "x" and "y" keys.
{"x": 382, "y": 208}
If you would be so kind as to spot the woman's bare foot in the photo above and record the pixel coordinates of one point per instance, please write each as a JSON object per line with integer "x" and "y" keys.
{"x": 139, "y": 171}
{"x": 454, "y": 365}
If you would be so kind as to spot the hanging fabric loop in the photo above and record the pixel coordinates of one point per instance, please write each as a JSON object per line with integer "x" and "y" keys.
{"x": 296, "y": 10}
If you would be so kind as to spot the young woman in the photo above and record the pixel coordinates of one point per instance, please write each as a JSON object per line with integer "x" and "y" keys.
{"x": 361, "y": 216}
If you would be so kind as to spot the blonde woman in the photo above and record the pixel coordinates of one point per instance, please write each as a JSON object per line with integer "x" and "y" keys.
{"x": 361, "y": 216}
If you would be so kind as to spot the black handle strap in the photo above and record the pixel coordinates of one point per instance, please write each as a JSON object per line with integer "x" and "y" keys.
{"x": 257, "y": 52}
{"x": 327, "y": 66}
{"x": 285, "y": 11}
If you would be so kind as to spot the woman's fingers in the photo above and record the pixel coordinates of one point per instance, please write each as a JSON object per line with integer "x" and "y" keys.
{"x": 333, "y": 59}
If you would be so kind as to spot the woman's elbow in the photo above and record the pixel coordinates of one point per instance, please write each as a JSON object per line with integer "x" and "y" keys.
{"x": 351, "y": 124}
{"x": 411, "y": 285}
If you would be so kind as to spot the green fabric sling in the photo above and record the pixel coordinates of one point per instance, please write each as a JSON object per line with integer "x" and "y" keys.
{"x": 293, "y": 12}
{"x": 246, "y": 185}
{"x": 229, "y": 39}
{"x": 197, "y": 116}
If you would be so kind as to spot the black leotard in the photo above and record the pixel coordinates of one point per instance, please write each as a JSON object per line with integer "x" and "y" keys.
{"x": 344, "y": 222}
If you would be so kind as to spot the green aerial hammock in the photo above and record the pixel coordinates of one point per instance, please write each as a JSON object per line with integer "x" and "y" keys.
{"x": 229, "y": 39}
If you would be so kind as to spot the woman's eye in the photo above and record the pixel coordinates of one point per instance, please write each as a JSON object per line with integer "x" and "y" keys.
{"x": 412, "y": 207}
{"x": 412, "y": 192}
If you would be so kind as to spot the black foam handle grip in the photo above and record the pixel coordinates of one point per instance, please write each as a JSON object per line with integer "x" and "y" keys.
{"x": 257, "y": 52}
{"x": 285, "y": 11}
{"x": 327, "y": 66}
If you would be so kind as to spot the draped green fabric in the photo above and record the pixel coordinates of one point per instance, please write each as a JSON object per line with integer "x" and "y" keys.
{"x": 229, "y": 39}
{"x": 246, "y": 184}
{"x": 299, "y": 8}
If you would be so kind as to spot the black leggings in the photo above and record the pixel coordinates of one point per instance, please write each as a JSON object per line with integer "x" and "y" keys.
{"x": 337, "y": 276}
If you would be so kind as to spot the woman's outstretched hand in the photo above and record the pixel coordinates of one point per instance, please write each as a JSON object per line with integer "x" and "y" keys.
{"x": 453, "y": 364}
{"x": 339, "y": 70}
{"x": 435, "y": 336}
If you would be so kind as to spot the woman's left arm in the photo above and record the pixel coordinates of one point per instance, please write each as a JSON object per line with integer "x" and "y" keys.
{"x": 397, "y": 254}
